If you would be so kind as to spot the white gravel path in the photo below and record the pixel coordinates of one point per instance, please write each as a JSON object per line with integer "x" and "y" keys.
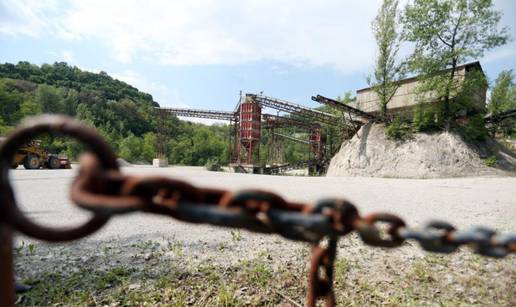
{"x": 489, "y": 201}
{"x": 146, "y": 242}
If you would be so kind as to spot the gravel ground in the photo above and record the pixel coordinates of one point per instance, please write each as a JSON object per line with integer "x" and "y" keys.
{"x": 140, "y": 240}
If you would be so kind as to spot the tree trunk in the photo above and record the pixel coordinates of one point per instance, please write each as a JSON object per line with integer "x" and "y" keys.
{"x": 446, "y": 106}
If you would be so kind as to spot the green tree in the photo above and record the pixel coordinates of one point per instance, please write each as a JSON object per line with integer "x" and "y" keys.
{"x": 130, "y": 148}
{"x": 10, "y": 101}
{"x": 85, "y": 115}
{"x": 503, "y": 96}
{"x": 346, "y": 99}
{"x": 387, "y": 70}
{"x": 50, "y": 99}
{"x": 149, "y": 147}
{"x": 29, "y": 107}
{"x": 446, "y": 33}
{"x": 71, "y": 101}
{"x": 3, "y": 127}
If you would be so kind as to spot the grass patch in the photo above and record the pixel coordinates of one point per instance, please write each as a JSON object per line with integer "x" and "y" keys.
{"x": 257, "y": 271}
{"x": 360, "y": 280}
{"x": 491, "y": 161}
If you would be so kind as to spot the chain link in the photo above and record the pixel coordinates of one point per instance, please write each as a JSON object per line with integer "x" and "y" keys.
{"x": 103, "y": 190}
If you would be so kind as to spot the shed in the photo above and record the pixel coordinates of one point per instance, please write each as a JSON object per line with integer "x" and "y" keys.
{"x": 406, "y": 98}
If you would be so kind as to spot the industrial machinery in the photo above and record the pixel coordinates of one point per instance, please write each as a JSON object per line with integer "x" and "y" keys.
{"x": 33, "y": 156}
{"x": 248, "y": 120}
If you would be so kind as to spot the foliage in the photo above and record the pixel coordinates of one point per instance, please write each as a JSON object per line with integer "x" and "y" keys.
{"x": 130, "y": 148}
{"x": 61, "y": 75}
{"x": 475, "y": 129}
{"x": 346, "y": 99}
{"x": 387, "y": 71}
{"x": 213, "y": 165}
{"x": 491, "y": 161}
{"x": 124, "y": 116}
{"x": 194, "y": 144}
{"x": 467, "y": 100}
{"x": 426, "y": 119}
{"x": 398, "y": 129}
{"x": 333, "y": 133}
{"x": 446, "y": 33}
{"x": 503, "y": 95}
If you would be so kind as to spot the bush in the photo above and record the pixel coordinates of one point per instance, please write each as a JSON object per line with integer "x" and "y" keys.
{"x": 426, "y": 119}
{"x": 491, "y": 161}
{"x": 475, "y": 129}
{"x": 398, "y": 129}
{"x": 213, "y": 165}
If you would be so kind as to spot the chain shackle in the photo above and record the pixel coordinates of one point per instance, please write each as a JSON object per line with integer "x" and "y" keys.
{"x": 320, "y": 275}
{"x": 371, "y": 235}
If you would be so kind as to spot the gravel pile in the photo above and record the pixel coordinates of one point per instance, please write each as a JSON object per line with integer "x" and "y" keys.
{"x": 370, "y": 153}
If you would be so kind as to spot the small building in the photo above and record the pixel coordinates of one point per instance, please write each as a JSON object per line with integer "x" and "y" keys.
{"x": 406, "y": 98}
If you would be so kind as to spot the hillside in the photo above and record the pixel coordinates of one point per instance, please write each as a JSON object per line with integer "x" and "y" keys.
{"x": 60, "y": 74}
{"x": 124, "y": 115}
{"x": 370, "y": 153}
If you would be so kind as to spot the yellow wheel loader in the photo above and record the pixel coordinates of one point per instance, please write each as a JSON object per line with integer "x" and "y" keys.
{"x": 33, "y": 156}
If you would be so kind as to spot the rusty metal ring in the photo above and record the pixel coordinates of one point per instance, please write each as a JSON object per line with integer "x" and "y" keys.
{"x": 371, "y": 235}
{"x": 53, "y": 125}
{"x": 342, "y": 213}
{"x": 150, "y": 187}
{"x": 253, "y": 200}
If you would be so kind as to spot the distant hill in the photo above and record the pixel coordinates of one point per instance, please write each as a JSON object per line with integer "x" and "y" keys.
{"x": 60, "y": 74}
{"x": 125, "y": 116}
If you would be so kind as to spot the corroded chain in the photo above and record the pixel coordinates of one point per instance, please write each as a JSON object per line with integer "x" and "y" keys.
{"x": 103, "y": 190}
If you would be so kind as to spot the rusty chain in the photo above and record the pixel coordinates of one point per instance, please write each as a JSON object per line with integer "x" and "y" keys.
{"x": 103, "y": 190}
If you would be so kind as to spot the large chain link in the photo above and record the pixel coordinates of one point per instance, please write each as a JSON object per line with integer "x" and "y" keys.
{"x": 102, "y": 189}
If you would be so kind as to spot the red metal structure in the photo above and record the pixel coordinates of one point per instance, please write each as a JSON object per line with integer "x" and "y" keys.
{"x": 249, "y": 131}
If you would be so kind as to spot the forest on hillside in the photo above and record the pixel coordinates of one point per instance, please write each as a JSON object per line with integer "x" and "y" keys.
{"x": 125, "y": 116}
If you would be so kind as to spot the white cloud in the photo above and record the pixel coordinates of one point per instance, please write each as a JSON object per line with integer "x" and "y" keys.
{"x": 25, "y": 17}
{"x": 304, "y": 33}
{"x": 198, "y": 32}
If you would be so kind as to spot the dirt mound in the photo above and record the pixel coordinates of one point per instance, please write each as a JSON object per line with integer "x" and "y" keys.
{"x": 445, "y": 154}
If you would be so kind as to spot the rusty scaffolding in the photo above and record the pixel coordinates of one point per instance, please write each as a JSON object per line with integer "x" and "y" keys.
{"x": 315, "y": 140}
{"x": 247, "y": 121}
{"x": 293, "y": 108}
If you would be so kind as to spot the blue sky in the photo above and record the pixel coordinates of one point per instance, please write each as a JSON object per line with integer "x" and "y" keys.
{"x": 201, "y": 54}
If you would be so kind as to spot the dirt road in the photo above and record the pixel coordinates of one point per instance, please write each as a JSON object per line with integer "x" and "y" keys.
{"x": 370, "y": 276}
{"x": 462, "y": 201}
